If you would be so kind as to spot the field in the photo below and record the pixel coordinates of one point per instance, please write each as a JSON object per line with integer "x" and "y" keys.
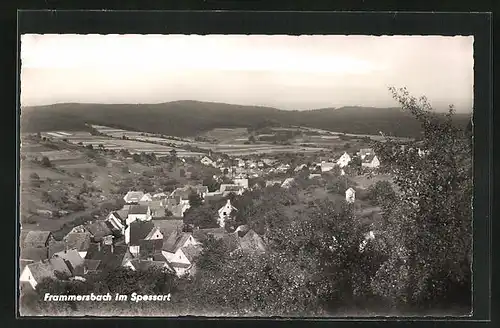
{"x": 134, "y": 147}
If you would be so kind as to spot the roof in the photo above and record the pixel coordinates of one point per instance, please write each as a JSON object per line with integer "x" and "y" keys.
{"x": 117, "y": 215}
{"x": 251, "y": 241}
{"x": 98, "y": 230}
{"x": 142, "y": 265}
{"x": 56, "y": 247}
{"x": 168, "y": 226}
{"x": 72, "y": 257}
{"x": 369, "y": 158}
{"x": 123, "y": 213}
{"x": 230, "y": 187}
{"x": 175, "y": 241}
{"x": 78, "y": 240}
{"x": 109, "y": 260}
{"x": 91, "y": 265}
{"x": 36, "y": 238}
{"x": 139, "y": 230}
{"x": 150, "y": 247}
{"x": 191, "y": 252}
{"x": 47, "y": 268}
{"x": 138, "y": 209}
{"x": 34, "y": 253}
{"x": 133, "y": 196}
{"x": 214, "y": 196}
{"x": 202, "y": 234}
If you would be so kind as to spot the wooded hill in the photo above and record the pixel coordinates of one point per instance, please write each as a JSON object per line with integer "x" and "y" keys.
{"x": 189, "y": 118}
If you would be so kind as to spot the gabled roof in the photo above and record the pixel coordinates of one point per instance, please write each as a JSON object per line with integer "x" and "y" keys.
{"x": 109, "y": 260}
{"x": 34, "y": 253}
{"x": 175, "y": 241}
{"x": 215, "y": 196}
{"x": 202, "y": 234}
{"x": 139, "y": 230}
{"x": 369, "y": 158}
{"x": 251, "y": 241}
{"x": 36, "y": 239}
{"x": 138, "y": 209}
{"x": 57, "y": 246}
{"x": 72, "y": 258}
{"x": 168, "y": 226}
{"x": 98, "y": 230}
{"x": 150, "y": 247}
{"x": 78, "y": 240}
{"x": 133, "y": 196}
{"x": 47, "y": 268}
{"x": 91, "y": 265}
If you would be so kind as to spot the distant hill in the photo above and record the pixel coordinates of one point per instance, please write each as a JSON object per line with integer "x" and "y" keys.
{"x": 188, "y": 118}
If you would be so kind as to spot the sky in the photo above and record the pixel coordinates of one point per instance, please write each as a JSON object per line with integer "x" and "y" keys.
{"x": 286, "y": 72}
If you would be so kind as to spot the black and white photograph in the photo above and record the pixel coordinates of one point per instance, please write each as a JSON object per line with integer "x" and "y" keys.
{"x": 245, "y": 175}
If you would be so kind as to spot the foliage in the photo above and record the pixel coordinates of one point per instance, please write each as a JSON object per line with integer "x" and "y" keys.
{"x": 195, "y": 200}
{"x": 430, "y": 224}
{"x": 381, "y": 193}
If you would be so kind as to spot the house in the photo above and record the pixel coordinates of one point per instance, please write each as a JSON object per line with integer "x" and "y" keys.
{"x": 146, "y": 198}
{"x": 168, "y": 226}
{"x": 90, "y": 266}
{"x": 243, "y": 182}
{"x": 370, "y": 161}
{"x": 139, "y": 212}
{"x": 117, "y": 221}
{"x": 249, "y": 240}
{"x": 99, "y": 230}
{"x": 141, "y": 230}
{"x": 251, "y": 164}
{"x": 289, "y": 182}
{"x": 109, "y": 256}
{"x": 225, "y": 212}
{"x": 207, "y": 161}
{"x": 350, "y": 195}
{"x": 344, "y": 160}
{"x": 184, "y": 192}
{"x": 72, "y": 258}
{"x": 214, "y": 196}
{"x": 80, "y": 241}
{"x": 363, "y": 152}
{"x": 268, "y": 161}
{"x": 34, "y": 273}
{"x": 226, "y": 189}
{"x": 201, "y": 235}
{"x": 180, "y": 249}
{"x": 159, "y": 196}
{"x": 133, "y": 197}
{"x": 36, "y": 239}
{"x": 325, "y": 167}
{"x": 151, "y": 250}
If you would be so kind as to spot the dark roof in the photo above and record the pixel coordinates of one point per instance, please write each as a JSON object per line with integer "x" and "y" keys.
{"x": 34, "y": 253}
{"x": 105, "y": 255}
{"x": 159, "y": 257}
{"x": 78, "y": 240}
{"x": 138, "y": 209}
{"x": 214, "y": 197}
{"x": 36, "y": 239}
{"x": 175, "y": 241}
{"x": 98, "y": 230}
{"x": 91, "y": 265}
{"x": 72, "y": 258}
{"x": 168, "y": 226}
{"x": 139, "y": 230}
{"x": 56, "y": 247}
{"x": 150, "y": 247}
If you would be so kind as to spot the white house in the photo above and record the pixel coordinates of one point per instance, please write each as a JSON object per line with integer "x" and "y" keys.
{"x": 34, "y": 273}
{"x": 180, "y": 249}
{"x": 117, "y": 221}
{"x": 225, "y": 212}
{"x": 344, "y": 160}
{"x": 146, "y": 198}
{"x": 325, "y": 167}
{"x": 243, "y": 182}
{"x": 363, "y": 152}
{"x": 139, "y": 212}
{"x": 138, "y": 231}
{"x": 207, "y": 161}
{"x": 370, "y": 161}
{"x": 350, "y": 195}
{"x": 133, "y": 197}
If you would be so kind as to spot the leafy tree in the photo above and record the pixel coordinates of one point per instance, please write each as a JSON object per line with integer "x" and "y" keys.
{"x": 203, "y": 217}
{"x": 381, "y": 192}
{"x": 173, "y": 153}
{"x": 211, "y": 183}
{"x": 430, "y": 224}
{"x": 195, "y": 200}
{"x": 46, "y": 161}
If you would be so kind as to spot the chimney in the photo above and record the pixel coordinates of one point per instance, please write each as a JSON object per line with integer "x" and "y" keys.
{"x": 112, "y": 248}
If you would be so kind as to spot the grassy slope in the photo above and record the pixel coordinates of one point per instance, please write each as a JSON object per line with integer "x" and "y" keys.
{"x": 188, "y": 118}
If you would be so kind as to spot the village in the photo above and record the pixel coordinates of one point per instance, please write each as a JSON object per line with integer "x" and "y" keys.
{"x": 149, "y": 230}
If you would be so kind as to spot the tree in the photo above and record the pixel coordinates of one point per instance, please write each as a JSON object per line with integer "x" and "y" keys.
{"x": 251, "y": 139}
{"x": 430, "y": 223}
{"x": 195, "y": 200}
{"x": 381, "y": 192}
{"x": 101, "y": 161}
{"x": 46, "y": 161}
{"x": 211, "y": 183}
{"x": 203, "y": 217}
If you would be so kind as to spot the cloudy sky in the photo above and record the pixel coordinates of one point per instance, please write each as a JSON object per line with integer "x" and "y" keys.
{"x": 287, "y": 72}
